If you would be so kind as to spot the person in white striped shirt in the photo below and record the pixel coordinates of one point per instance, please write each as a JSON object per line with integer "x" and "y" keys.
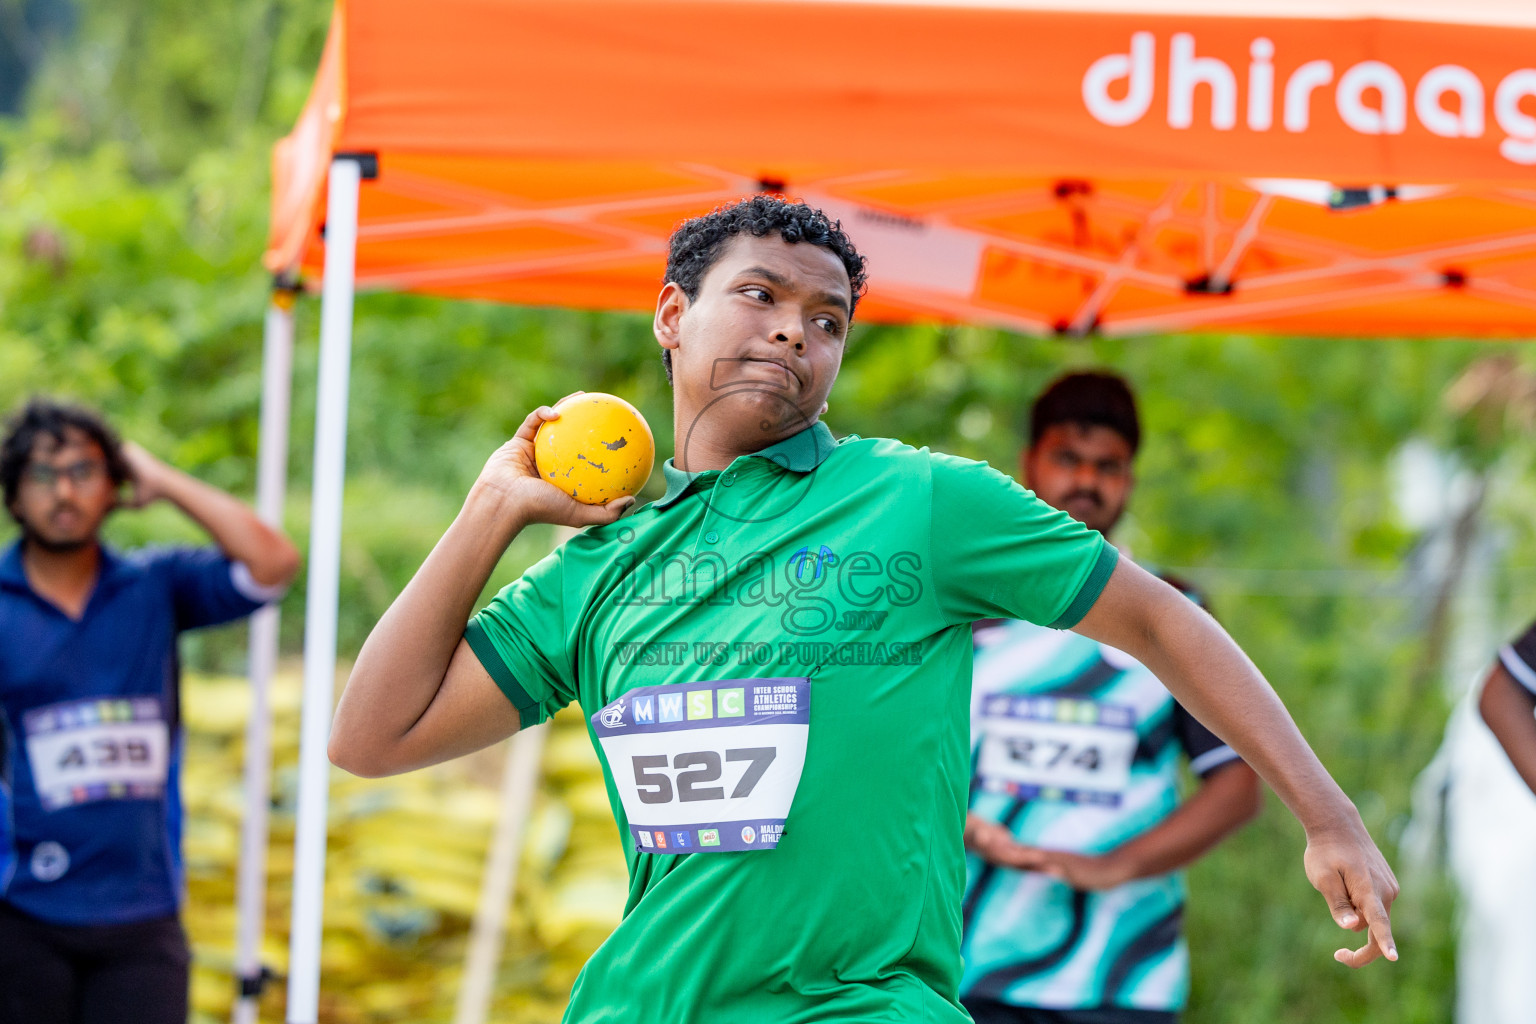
{"x": 1508, "y": 703}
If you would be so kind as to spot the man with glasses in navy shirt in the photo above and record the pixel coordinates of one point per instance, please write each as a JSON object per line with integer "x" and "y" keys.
{"x": 90, "y": 814}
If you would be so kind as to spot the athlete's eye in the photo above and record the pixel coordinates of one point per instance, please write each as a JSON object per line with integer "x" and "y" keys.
{"x": 757, "y": 292}
{"x": 829, "y": 325}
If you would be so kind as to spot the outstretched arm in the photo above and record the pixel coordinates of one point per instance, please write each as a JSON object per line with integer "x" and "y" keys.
{"x": 417, "y": 694}
{"x": 1510, "y": 711}
{"x": 1206, "y": 672}
{"x": 271, "y": 558}
{"x": 1226, "y": 799}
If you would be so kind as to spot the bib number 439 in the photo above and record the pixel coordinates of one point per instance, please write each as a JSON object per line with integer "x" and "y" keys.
{"x": 105, "y": 751}
{"x": 695, "y": 769}
{"x": 84, "y": 751}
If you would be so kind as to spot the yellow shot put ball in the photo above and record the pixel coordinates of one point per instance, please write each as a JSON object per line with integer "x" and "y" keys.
{"x": 599, "y": 449}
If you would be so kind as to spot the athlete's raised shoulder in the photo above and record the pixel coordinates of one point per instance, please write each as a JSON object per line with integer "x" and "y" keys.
{"x": 892, "y": 460}
{"x": 899, "y": 462}
{"x": 852, "y": 445}
{"x": 975, "y": 479}
{"x": 891, "y": 450}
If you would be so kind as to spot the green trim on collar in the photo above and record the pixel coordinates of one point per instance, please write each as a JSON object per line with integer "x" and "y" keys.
{"x": 800, "y": 453}
{"x": 677, "y": 483}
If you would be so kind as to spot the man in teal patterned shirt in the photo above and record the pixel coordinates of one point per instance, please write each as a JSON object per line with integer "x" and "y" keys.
{"x": 1073, "y": 900}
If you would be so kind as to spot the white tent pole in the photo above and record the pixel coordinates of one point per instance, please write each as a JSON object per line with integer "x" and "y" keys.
{"x": 271, "y": 481}
{"x": 518, "y": 784}
{"x": 322, "y": 595}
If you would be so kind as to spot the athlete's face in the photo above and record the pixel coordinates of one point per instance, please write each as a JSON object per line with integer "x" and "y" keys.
{"x": 1083, "y": 470}
{"x": 65, "y": 494}
{"x": 755, "y": 354}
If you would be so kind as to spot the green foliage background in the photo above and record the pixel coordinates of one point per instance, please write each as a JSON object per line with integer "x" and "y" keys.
{"x": 133, "y": 192}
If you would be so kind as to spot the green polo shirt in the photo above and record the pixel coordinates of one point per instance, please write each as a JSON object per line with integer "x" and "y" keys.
{"x": 843, "y": 572}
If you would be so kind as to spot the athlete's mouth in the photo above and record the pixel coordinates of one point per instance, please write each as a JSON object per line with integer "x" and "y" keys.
{"x": 765, "y": 370}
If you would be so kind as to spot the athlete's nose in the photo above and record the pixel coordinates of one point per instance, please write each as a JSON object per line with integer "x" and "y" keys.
{"x": 791, "y": 336}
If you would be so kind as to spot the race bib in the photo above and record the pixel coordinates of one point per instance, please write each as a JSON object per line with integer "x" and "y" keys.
{"x": 1056, "y": 748}
{"x": 707, "y": 767}
{"x": 87, "y": 750}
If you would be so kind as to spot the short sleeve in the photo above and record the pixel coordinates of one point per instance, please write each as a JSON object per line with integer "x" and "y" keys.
{"x": 999, "y": 551}
{"x": 522, "y": 640}
{"x": 1205, "y": 750}
{"x": 207, "y": 588}
{"x": 1519, "y": 659}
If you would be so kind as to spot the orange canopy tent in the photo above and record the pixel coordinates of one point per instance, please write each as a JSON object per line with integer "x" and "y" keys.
{"x": 1143, "y": 168}
{"x": 1121, "y": 166}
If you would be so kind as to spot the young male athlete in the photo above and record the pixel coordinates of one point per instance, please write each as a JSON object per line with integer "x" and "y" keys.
{"x": 1072, "y": 908}
{"x": 775, "y": 662}
{"x": 1508, "y": 703}
{"x": 90, "y": 813}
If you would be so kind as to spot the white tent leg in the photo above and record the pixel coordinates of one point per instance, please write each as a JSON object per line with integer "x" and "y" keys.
{"x": 271, "y": 480}
{"x": 321, "y": 598}
{"x": 518, "y": 785}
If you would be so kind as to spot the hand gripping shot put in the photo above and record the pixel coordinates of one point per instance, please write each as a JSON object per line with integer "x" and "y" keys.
{"x": 774, "y": 659}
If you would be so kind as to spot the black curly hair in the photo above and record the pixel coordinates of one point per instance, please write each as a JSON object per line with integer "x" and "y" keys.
{"x": 697, "y": 244}
{"x": 1089, "y": 399}
{"x": 45, "y": 416}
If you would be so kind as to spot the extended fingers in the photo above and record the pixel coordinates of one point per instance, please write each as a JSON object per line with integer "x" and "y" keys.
{"x": 601, "y": 515}
{"x": 532, "y": 422}
{"x": 618, "y": 506}
{"x": 1380, "y": 923}
{"x": 1367, "y": 909}
{"x": 1332, "y": 886}
{"x": 995, "y": 844}
{"x": 1389, "y": 889}
{"x": 1378, "y": 944}
{"x": 1029, "y": 858}
{"x": 1357, "y": 958}
{"x": 544, "y": 412}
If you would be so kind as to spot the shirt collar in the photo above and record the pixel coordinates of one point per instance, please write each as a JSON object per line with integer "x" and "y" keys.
{"x": 13, "y": 574}
{"x": 799, "y": 453}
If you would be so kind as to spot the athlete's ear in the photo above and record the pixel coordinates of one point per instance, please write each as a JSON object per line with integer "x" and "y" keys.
{"x": 671, "y": 304}
{"x": 823, "y": 409}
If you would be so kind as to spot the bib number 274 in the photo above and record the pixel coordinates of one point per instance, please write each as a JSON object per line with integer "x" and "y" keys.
{"x": 695, "y": 770}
